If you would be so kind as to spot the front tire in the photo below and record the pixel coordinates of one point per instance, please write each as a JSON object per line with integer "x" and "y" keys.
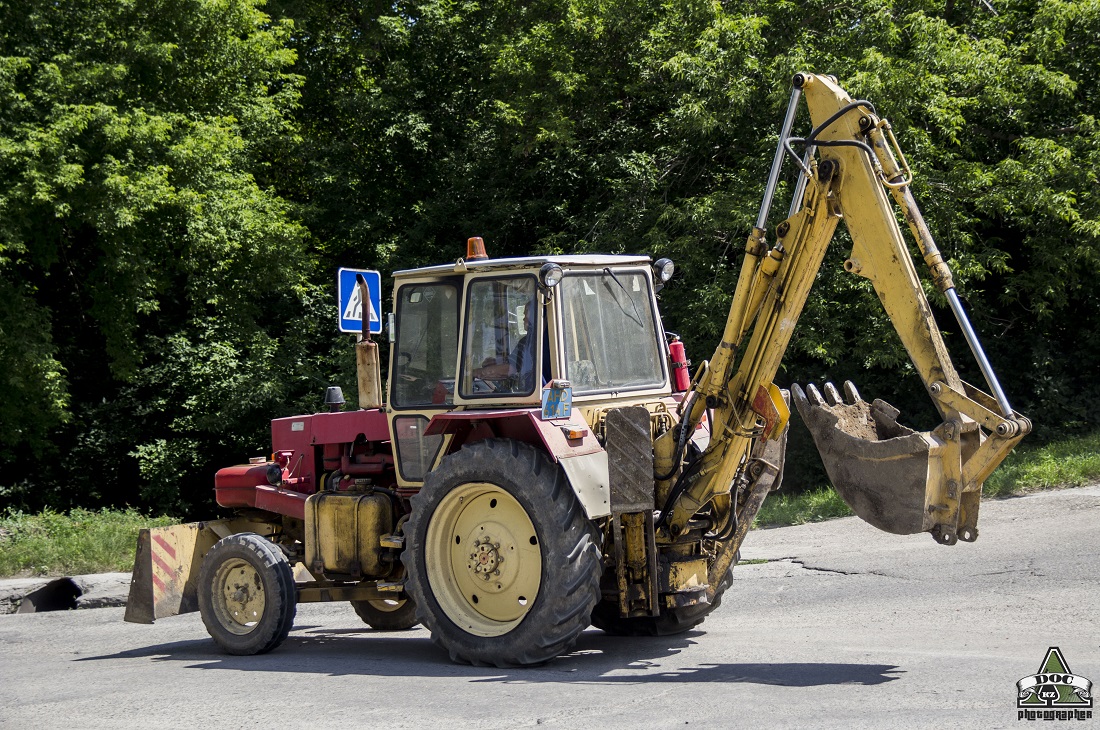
{"x": 502, "y": 562}
{"x": 246, "y": 595}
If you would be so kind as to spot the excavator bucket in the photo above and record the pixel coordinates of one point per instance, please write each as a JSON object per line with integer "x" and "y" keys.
{"x": 888, "y": 474}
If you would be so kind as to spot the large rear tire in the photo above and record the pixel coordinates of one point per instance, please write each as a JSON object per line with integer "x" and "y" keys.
{"x": 246, "y": 593}
{"x": 671, "y": 621}
{"x": 502, "y": 563}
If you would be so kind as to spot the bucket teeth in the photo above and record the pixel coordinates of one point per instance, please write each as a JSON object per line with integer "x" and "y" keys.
{"x": 851, "y": 393}
{"x": 832, "y": 395}
{"x": 811, "y": 392}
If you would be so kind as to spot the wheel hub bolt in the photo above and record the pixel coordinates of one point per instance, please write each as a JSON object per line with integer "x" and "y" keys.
{"x": 485, "y": 558}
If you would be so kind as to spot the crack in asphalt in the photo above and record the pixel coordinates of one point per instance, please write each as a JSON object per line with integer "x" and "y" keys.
{"x": 800, "y": 562}
{"x": 803, "y": 565}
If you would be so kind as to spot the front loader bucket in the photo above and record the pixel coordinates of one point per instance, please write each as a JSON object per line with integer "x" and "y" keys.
{"x": 166, "y": 569}
{"x": 888, "y": 474}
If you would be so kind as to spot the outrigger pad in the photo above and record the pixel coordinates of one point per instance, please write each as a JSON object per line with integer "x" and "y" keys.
{"x": 881, "y": 469}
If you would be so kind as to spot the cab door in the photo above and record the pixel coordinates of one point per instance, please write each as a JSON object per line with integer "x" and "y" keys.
{"x": 503, "y": 342}
{"x": 423, "y": 363}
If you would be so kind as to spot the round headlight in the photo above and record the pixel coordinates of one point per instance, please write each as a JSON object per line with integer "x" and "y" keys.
{"x": 664, "y": 269}
{"x": 550, "y": 275}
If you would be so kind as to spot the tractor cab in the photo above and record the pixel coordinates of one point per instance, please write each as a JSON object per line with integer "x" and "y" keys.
{"x": 493, "y": 333}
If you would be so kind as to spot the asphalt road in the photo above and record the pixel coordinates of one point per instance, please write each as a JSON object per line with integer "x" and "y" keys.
{"x": 845, "y": 627}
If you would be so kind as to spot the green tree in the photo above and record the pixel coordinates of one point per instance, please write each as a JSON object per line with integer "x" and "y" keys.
{"x": 155, "y": 290}
{"x": 178, "y": 182}
{"x": 569, "y": 125}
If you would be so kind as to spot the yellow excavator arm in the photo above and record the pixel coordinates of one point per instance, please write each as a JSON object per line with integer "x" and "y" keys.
{"x": 897, "y": 479}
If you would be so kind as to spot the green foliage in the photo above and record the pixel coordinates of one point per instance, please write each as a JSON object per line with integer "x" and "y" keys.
{"x": 35, "y": 393}
{"x": 179, "y": 181}
{"x": 150, "y": 282}
{"x": 77, "y": 543}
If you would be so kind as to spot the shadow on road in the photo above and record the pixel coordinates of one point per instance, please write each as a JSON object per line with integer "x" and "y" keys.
{"x": 596, "y": 659}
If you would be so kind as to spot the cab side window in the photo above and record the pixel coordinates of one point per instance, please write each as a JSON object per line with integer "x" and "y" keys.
{"x": 426, "y": 350}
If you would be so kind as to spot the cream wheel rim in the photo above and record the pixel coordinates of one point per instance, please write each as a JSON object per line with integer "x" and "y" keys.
{"x": 386, "y": 605}
{"x": 239, "y": 599}
{"x": 483, "y": 559}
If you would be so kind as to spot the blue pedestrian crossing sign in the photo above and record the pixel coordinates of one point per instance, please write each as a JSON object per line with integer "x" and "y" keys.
{"x": 351, "y": 304}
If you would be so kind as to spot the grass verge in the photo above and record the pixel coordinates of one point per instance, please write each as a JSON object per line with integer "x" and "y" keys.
{"x": 796, "y": 509}
{"x": 83, "y": 541}
{"x": 1070, "y": 462}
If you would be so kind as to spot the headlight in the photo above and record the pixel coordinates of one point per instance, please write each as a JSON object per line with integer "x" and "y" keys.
{"x": 663, "y": 270}
{"x": 550, "y": 275}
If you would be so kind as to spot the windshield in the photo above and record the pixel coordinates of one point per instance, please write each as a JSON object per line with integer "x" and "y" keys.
{"x": 610, "y": 335}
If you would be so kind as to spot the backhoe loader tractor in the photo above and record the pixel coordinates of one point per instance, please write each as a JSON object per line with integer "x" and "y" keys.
{"x": 547, "y": 461}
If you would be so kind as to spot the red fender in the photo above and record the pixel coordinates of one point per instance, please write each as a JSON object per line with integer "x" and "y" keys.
{"x": 524, "y": 425}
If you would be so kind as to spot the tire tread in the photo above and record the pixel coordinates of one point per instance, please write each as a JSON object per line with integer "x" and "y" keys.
{"x": 275, "y": 569}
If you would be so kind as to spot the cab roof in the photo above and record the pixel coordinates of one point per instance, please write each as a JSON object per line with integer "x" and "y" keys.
{"x": 530, "y": 263}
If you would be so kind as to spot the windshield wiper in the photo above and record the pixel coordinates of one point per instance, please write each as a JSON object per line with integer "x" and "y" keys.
{"x": 608, "y": 271}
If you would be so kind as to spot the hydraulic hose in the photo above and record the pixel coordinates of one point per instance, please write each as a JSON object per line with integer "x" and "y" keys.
{"x": 681, "y": 440}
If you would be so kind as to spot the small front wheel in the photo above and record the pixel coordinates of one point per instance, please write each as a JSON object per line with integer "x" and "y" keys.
{"x": 246, "y": 594}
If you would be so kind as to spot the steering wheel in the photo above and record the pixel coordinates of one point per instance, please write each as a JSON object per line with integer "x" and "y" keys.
{"x": 482, "y": 385}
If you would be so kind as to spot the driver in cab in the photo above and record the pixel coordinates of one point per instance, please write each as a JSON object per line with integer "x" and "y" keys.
{"x": 516, "y": 372}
